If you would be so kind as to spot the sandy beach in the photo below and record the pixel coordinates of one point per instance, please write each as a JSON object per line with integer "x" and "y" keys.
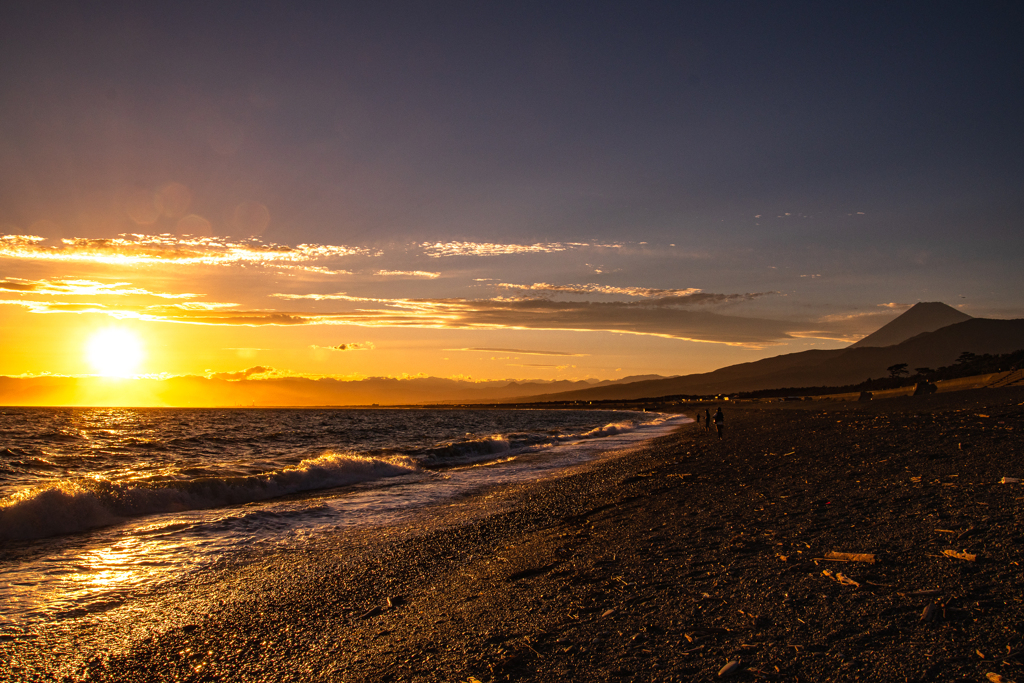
{"x": 663, "y": 564}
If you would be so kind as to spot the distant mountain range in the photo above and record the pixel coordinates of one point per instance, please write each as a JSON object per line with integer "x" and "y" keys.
{"x": 927, "y": 335}
{"x": 919, "y": 338}
{"x": 199, "y": 391}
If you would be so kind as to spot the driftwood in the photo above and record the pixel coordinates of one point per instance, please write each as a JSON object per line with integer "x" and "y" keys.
{"x": 960, "y": 556}
{"x": 842, "y": 578}
{"x": 850, "y": 557}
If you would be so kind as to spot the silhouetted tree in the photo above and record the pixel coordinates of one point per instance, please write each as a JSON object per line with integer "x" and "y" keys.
{"x": 895, "y": 371}
{"x": 965, "y": 357}
{"x": 924, "y": 371}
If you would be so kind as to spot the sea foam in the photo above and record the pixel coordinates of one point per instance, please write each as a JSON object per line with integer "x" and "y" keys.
{"x": 76, "y": 505}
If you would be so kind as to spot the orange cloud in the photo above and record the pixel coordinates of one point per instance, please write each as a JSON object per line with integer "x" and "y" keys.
{"x": 523, "y": 352}
{"x": 645, "y": 292}
{"x": 81, "y": 288}
{"x": 667, "y": 316}
{"x": 352, "y": 346}
{"x": 137, "y": 249}
{"x": 409, "y": 273}
{"x": 440, "y": 249}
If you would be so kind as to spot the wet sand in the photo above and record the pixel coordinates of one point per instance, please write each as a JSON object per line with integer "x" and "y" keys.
{"x": 664, "y": 564}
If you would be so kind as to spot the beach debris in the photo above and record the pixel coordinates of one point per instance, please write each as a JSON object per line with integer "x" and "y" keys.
{"x": 996, "y": 678}
{"x": 1009, "y": 480}
{"x": 532, "y": 571}
{"x": 761, "y": 673}
{"x": 371, "y": 612}
{"x": 395, "y": 600}
{"x": 960, "y": 555}
{"x": 729, "y": 669}
{"x": 473, "y": 679}
{"x": 841, "y": 578}
{"x": 931, "y": 611}
{"x": 607, "y": 613}
{"x": 836, "y": 556}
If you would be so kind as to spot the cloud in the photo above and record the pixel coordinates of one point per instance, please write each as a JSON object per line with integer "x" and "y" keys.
{"x": 670, "y": 316}
{"x": 440, "y": 249}
{"x": 895, "y": 306}
{"x": 81, "y": 288}
{"x": 139, "y": 249}
{"x": 847, "y": 327}
{"x": 243, "y": 374}
{"x": 538, "y": 365}
{"x": 409, "y": 273}
{"x": 354, "y": 346}
{"x": 339, "y": 296}
{"x": 658, "y": 317}
{"x": 690, "y": 295}
{"x": 523, "y": 352}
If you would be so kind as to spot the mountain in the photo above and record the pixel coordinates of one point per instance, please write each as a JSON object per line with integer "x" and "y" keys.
{"x": 837, "y": 367}
{"x": 926, "y": 316}
{"x": 195, "y": 391}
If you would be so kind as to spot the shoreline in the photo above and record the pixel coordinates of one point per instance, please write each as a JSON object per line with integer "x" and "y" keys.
{"x": 664, "y": 564}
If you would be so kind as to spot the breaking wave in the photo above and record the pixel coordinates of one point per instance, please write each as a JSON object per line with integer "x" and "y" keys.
{"x": 76, "y": 505}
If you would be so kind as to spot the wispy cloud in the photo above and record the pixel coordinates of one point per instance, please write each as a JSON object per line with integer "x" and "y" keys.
{"x": 691, "y": 295}
{"x": 140, "y": 249}
{"x": 440, "y": 249}
{"x": 409, "y": 273}
{"x": 522, "y": 352}
{"x": 671, "y": 317}
{"x": 340, "y": 296}
{"x": 895, "y": 306}
{"x": 260, "y": 370}
{"x": 82, "y": 288}
{"x": 352, "y": 346}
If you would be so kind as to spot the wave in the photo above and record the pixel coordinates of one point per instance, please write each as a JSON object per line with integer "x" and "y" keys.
{"x": 72, "y": 506}
{"x": 500, "y": 445}
{"x": 610, "y": 429}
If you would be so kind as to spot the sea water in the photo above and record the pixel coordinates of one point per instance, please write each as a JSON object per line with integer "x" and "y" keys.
{"x": 100, "y": 505}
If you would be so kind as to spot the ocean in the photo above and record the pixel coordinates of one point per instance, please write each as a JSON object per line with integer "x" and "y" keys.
{"x": 100, "y": 506}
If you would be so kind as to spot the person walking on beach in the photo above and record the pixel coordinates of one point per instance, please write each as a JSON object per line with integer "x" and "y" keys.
{"x": 707, "y": 420}
{"x": 698, "y": 418}
{"x": 719, "y": 422}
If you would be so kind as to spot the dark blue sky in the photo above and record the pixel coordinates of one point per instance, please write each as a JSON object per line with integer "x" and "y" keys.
{"x": 444, "y": 117}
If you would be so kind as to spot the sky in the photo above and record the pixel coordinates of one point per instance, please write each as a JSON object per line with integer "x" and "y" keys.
{"x": 491, "y": 191}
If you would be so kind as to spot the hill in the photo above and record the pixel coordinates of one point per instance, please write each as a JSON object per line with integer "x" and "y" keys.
{"x": 824, "y": 368}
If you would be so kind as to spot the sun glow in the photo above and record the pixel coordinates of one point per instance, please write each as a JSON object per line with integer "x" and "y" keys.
{"x": 114, "y": 352}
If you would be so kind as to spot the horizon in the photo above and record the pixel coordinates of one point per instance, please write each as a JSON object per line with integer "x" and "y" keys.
{"x": 498, "y": 194}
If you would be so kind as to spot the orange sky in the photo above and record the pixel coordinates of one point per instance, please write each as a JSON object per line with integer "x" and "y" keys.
{"x": 202, "y": 306}
{"x": 503, "y": 191}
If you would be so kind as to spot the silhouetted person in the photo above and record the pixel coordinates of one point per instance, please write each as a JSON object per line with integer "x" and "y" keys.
{"x": 698, "y": 418}
{"x": 719, "y": 422}
{"x": 707, "y": 420}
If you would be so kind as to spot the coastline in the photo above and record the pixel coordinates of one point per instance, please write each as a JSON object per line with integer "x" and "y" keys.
{"x": 663, "y": 564}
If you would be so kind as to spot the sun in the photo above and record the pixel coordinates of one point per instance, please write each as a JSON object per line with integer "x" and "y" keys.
{"x": 114, "y": 352}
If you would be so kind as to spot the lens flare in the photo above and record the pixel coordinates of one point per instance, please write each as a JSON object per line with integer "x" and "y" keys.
{"x": 114, "y": 352}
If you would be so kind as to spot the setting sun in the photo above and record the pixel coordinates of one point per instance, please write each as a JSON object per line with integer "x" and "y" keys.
{"x": 114, "y": 352}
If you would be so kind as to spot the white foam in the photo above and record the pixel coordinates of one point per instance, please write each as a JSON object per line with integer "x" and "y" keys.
{"x": 72, "y": 506}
